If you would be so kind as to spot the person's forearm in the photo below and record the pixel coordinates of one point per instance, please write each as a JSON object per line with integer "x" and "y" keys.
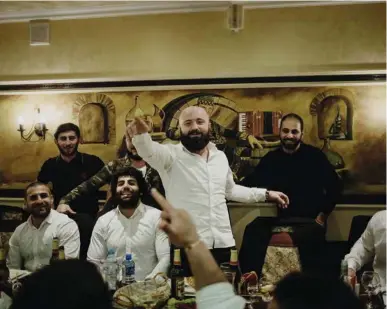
{"x": 204, "y": 268}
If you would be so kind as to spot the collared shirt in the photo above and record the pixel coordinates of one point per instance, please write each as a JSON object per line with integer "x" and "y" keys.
{"x": 32, "y": 246}
{"x": 138, "y": 235}
{"x": 199, "y": 186}
{"x": 152, "y": 180}
{"x": 65, "y": 176}
{"x": 219, "y": 296}
{"x": 371, "y": 244}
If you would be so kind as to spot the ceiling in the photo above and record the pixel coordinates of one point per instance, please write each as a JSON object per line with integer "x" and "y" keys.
{"x": 14, "y": 11}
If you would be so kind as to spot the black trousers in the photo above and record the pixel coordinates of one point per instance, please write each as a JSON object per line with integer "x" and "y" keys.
{"x": 85, "y": 224}
{"x": 309, "y": 237}
{"x": 221, "y": 255}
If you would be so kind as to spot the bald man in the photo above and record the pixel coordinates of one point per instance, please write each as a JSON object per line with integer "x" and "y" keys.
{"x": 197, "y": 178}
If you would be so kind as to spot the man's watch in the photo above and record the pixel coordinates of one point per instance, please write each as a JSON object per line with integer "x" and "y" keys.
{"x": 267, "y": 194}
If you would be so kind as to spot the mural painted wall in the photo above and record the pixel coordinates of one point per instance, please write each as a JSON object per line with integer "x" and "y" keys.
{"x": 347, "y": 122}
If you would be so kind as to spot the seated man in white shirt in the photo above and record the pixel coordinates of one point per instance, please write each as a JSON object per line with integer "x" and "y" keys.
{"x": 371, "y": 245}
{"x": 30, "y": 246}
{"x": 131, "y": 227}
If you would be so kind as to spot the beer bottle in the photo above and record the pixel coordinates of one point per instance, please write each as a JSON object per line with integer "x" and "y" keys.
{"x": 177, "y": 276}
{"x": 55, "y": 250}
{"x": 4, "y": 271}
{"x": 234, "y": 268}
{"x": 61, "y": 255}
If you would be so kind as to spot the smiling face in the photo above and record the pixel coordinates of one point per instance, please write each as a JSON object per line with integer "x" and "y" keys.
{"x": 291, "y": 134}
{"x": 194, "y": 128}
{"x": 127, "y": 192}
{"x": 39, "y": 201}
{"x": 67, "y": 143}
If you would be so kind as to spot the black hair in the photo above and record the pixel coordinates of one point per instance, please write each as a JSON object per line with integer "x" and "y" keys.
{"x": 65, "y": 127}
{"x": 128, "y": 171}
{"x": 303, "y": 291}
{"x": 36, "y": 184}
{"x": 68, "y": 284}
{"x": 294, "y": 116}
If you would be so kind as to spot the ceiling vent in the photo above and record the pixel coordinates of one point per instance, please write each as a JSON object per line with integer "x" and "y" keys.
{"x": 39, "y": 32}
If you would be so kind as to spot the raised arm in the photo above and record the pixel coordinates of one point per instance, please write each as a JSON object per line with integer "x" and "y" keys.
{"x": 158, "y": 156}
{"x": 213, "y": 290}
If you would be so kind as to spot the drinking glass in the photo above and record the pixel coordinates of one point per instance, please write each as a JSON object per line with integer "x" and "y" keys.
{"x": 370, "y": 282}
{"x": 252, "y": 290}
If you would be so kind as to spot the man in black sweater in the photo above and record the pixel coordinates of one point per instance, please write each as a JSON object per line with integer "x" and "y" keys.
{"x": 305, "y": 175}
{"x": 66, "y": 171}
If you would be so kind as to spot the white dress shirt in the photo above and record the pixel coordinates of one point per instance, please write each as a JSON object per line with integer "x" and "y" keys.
{"x": 32, "y": 246}
{"x": 219, "y": 296}
{"x": 371, "y": 244}
{"x": 199, "y": 186}
{"x": 138, "y": 235}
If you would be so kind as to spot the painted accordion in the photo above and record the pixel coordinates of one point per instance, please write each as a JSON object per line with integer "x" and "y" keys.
{"x": 259, "y": 123}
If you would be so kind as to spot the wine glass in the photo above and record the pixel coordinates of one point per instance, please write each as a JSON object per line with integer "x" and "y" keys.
{"x": 252, "y": 290}
{"x": 370, "y": 281}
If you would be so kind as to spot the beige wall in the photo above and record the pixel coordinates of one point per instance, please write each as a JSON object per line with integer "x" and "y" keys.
{"x": 274, "y": 41}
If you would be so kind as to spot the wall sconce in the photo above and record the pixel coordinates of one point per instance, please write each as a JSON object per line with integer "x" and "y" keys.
{"x": 38, "y": 128}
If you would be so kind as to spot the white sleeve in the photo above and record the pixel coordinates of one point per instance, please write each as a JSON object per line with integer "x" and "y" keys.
{"x": 159, "y": 156}
{"x": 98, "y": 249}
{"x": 243, "y": 194}
{"x": 219, "y": 296}
{"x": 14, "y": 259}
{"x": 363, "y": 250}
{"x": 162, "y": 252}
{"x": 68, "y": 235}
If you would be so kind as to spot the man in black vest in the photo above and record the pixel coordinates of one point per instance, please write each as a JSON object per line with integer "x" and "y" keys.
{"x": 305, "y": 175}
{"x": 67, "y": 171}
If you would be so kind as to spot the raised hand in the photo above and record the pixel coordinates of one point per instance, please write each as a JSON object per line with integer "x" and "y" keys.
{"x": 136, "y": 127}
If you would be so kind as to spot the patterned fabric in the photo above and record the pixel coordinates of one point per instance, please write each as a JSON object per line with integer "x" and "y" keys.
{"x": 279, "y": 261}
{"x": 4, "y": 240}
{"x": 11, "y": 215}
{"x": 152, "y": 179}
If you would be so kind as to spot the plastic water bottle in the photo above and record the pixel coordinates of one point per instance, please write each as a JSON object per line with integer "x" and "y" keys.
{"x": 110, "y": 270}
{"x": 128, "y": 270}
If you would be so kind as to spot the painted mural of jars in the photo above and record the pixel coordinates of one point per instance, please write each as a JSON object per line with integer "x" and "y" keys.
{"x": 334, "y": 157}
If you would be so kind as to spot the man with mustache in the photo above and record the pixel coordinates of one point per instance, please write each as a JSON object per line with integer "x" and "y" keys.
{"x": 30, "y": 246}
{"x": 127, "y": 157}
{"x": 303, "y": 173}
{"x": 67, "y": 171}
{"x": 197, "y": 178}
{"x": 131, "y": 227}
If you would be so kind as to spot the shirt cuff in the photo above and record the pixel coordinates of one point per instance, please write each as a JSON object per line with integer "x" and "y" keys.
{"x": 259, "y": 195}
{"x": 352, "y": 264}
{"x": 219, "y": 295}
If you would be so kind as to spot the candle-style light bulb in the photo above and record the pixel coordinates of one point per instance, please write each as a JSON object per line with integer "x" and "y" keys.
{"x": 20, "y": 120}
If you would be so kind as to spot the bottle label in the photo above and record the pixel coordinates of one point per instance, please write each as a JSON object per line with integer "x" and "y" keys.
{"x": 129, "y": 270}
{"x": 179, "y": 288}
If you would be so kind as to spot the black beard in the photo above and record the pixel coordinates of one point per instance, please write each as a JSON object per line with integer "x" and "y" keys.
{"x": 135, "y": 157}
{"x": 35, "y": 212}
{"x": 194, "y": 144}
{"x": 292, "y": 146}
{"x": 132, "y": 203}
{"x": 66, "y": 154}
